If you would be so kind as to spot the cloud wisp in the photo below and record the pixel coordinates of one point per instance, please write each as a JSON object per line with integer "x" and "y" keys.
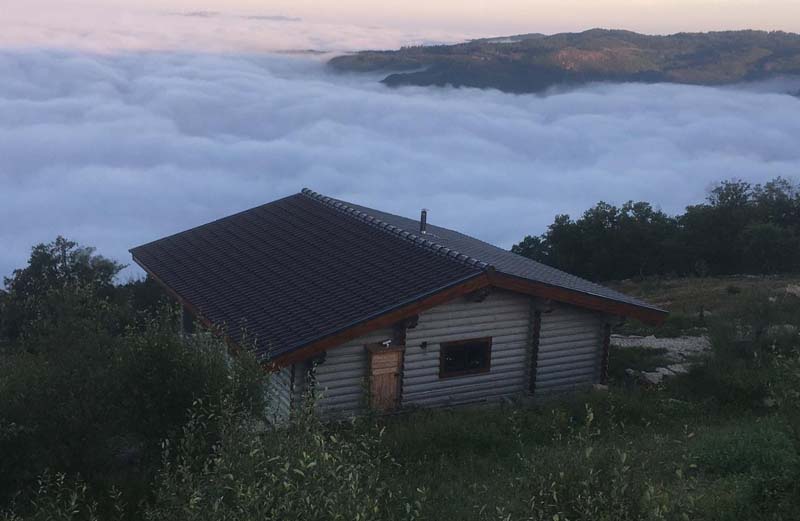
{"x": 216, "y": 14}
{"x": 108, "y": 29}
{"x": 119, "y": 149}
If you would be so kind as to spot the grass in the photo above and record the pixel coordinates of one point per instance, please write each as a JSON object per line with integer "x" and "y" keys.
{"x": 693, "y": 301}
{"x": 477, "y": 463}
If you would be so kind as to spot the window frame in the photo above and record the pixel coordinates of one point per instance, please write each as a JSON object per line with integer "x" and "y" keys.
{"x": 445, "y": 346}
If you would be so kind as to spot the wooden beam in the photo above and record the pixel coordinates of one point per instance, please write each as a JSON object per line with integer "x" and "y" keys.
{"x": 584, "y": 300}
{"x": 544, "y": 305}
{"x": 536, "y": 329}
{"x": 606, "y": 347}
{"x": 400, "y": 328}
{"x": 386, "y": 320}
{"x": 479, "y": 295}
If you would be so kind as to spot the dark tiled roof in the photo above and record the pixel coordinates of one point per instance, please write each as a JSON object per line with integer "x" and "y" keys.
{"x": 304, "y": 267}
{"x": 504, "y": 261}
{"x": 296, "y": 270}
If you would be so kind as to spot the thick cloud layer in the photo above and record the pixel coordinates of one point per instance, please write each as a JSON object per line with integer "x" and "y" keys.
{"x": 116, "y": 150}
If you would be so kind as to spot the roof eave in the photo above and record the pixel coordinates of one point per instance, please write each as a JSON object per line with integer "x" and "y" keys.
{"x": 216, "y": 329}
{"x": 647, "y": 314}
{"x": 385, "y": 318}
{"x": 488, "y": 278}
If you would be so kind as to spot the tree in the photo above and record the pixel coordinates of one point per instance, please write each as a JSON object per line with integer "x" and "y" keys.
{"x": 644, "y": 236}
{"x": 769, "y": 248}
{"x": 35, "y": 293}
{"x": 533, "y": 247}
{"x": 731, "y": 194}
{"x": 566, "y": 247}
{"x": 93, "y": 376}
{"x": 778, "y": 202}
{"x": 61, "y": 263}
{"x": 739, "y": 228}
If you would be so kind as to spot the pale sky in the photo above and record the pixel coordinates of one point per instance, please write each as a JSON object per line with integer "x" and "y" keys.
{"x": 410, "y": 21}
{"x": 508, "y": 16}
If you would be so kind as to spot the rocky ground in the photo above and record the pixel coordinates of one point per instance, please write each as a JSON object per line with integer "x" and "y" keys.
{"x": 680, "y": 353}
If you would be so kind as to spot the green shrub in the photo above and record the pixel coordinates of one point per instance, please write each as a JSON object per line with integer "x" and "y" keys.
{"x": 588, "y": 478}
{"x": 761, "y": 325}
{"x": 745, "y": 343}
{"x": 732, "y": 384}
{"x": 224, "y": 465}
{"x": 57, "y": 499}
{"x": 462, "y": 432}
{"x": 82, "y": 401}
{"x": 732, "y": 289}
{"x": 303, "y": 471}
{"x": 678, "y": 323}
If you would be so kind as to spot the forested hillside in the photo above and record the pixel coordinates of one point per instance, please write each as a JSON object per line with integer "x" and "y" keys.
{"x": 535, "y": 62}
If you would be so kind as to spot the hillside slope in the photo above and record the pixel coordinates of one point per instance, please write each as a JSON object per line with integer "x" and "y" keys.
{"x": 535, "y": 62}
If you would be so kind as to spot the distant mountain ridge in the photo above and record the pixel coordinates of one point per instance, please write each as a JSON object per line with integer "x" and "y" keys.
{"x": 536, "y": 62}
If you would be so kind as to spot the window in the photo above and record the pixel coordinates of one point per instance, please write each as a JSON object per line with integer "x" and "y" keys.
{"x": 465, "y": 357}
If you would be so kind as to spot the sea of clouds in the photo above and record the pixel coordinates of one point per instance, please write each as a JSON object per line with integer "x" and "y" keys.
{"x": 115, "y": 147}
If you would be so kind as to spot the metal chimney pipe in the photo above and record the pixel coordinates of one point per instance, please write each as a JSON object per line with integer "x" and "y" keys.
{"x": 423, "y": 221}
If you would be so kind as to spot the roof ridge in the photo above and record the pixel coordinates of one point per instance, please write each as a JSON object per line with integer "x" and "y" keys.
{"x": 417, "y": 240}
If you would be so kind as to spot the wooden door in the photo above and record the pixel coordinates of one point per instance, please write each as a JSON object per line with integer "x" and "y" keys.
{"x": 385, "y": 365}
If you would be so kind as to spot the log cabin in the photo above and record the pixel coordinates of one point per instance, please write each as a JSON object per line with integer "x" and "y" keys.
{"x": 376, "y": 311}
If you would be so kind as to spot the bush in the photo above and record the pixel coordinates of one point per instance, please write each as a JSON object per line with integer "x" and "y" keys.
{"x": 82, "y": 401}
{"x": 732, "y": 289}
{"x": 677, "y": 324}
{"x": 224, "y": 465}
{"x": 588, "y": 478}
{"x": 305, "y": 471}
{"x": 759, "y": 327}
{"x": 732, "y": 384}
{"x": 746, "y": 341}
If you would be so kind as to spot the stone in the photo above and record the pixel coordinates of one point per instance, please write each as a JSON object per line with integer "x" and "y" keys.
{"x": 664, "y": 371}
{"x": 782, "y": 329}
{"x": 679, "y": 368}
{"x": 652, "y": 378}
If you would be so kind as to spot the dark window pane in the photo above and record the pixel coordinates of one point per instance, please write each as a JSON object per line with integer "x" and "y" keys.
{"x": 476, "y": 357}
{"x": 460, "y": 358}
{"x": 454, "y": 360}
